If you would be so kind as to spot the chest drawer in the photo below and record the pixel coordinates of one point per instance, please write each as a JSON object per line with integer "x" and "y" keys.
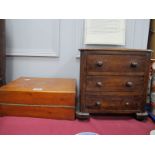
{"x": 112, "y": 103}
{"x": 115, "y": 83}
{"x": 115, "y": 63}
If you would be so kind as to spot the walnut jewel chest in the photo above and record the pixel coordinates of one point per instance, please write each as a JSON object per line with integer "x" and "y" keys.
{"x": 113, "y": 81}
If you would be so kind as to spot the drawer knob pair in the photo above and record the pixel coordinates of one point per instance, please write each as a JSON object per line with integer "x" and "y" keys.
{"x": 99, "y": 63}
{"x": 134, "y": 64}
{"x": 128, "y": 84}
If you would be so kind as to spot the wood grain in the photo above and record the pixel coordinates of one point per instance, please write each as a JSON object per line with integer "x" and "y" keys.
{"x": 40, "y": 112}
{"x": 115, "y": 83}
{"x": 39, "y": 97}
{"x": 113, "y": 80}
{"x": 116, "y": 64}
{"x": 113, "y": 103}
{"x": 29, "y": 84}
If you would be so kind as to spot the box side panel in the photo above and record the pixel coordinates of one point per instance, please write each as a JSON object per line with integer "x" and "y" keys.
{"x": 40, "y": 112}
{"x": 37, "y": 98}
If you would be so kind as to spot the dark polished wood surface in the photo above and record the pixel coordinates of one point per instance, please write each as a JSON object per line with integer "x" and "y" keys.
{"x": 115, "y": 83}
{"x": 116, "y": 64}
{"x": 113, "y": 80}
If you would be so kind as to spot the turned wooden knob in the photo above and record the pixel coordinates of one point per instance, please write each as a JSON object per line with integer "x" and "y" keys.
{"x": 98, "y": 103}
{"x": 129, "y": 84}
{"x": 134, "y": 64}
{"x": 127, "y": 103}
{"x": 99, "y": 63}
{"x": 99, "y": 84}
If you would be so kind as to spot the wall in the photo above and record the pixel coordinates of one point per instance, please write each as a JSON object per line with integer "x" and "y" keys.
{"x": 70, "y": 40}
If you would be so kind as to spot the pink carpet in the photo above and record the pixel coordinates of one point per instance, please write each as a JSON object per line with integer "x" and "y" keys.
{"x": 105, "y": 125}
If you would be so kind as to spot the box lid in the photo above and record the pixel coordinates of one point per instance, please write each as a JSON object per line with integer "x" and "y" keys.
{"x": 30, "y": 84}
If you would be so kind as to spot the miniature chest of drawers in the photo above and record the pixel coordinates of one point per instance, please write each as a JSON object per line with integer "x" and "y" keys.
{"x": 39, "y": 97}
{"x": 113, "y": 81}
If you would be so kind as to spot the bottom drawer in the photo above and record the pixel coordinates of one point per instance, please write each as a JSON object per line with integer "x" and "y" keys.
{"x": 115, "y": 104}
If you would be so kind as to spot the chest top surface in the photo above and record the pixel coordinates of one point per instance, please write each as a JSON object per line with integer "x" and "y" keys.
{"x": 115, "y": 49}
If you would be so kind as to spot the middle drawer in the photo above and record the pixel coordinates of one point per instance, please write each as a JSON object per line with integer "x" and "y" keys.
{"x": 115, "y": 83}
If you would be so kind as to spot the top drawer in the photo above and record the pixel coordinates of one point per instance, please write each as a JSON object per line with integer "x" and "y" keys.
{"x": 115, "y": 64}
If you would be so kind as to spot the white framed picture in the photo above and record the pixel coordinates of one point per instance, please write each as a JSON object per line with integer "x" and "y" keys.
{"x": 105, "y": 31}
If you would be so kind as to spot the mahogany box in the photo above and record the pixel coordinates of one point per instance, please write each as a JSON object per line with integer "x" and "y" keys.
{"x": 39, "y": 97}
